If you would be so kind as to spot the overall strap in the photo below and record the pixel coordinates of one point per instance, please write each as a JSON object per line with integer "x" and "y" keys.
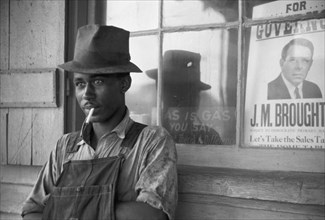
{"x": 133, "y": 134}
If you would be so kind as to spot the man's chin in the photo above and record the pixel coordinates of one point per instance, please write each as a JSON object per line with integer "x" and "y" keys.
{"x": 297, "y": 81}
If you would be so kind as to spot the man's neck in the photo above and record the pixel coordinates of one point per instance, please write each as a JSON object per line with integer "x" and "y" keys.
{"x": 101, "y": 128}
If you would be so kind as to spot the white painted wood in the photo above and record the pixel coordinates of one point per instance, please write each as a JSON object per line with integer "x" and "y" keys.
{"x": 47, "y": 129}
{"x": 3, "y": 135}
{"x": 36, "y": 34}
{"x": 8, "y": 216}
{"x": 19, "y": 136}
{"x": 206, "y": 207}
{"x": 4, "y": 33}
{"x": 21, "y": 175}
{"x": 13, "y": 197}
{"x": 28, "y": 88}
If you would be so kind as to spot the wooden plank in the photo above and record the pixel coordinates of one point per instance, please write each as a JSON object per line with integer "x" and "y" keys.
{"x": 13, "y": 197}
{"x": 19, "y": 136}
{"x": 3, "y": 135}
{"x": 209, "y": 207}
{"x": 37, "y": 30}
{"x": 4, "y": 33}
{"x": 47, "y": 129}
{"x": 308, "y": 160}
{"x": 303, "y": 188}
{"x": 9, "y": 216}
{"x": 28, "y": 88}
{"x": 315, "y": 210}
{"x": 24, "y": 175}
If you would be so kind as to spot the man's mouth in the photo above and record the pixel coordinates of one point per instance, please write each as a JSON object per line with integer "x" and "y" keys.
{"x": 89, "y": 106}
{"x": 297, "y": 76}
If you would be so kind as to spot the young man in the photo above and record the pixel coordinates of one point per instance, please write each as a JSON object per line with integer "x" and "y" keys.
{"x": 114, "y": 168}
{"x": 295, "y": 62}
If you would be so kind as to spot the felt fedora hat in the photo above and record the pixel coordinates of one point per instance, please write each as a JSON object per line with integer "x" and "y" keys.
{"x": 101, "y": 50}
{"x": 180, "y": 67}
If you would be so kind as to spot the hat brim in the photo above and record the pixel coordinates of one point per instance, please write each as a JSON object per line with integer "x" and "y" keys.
{"x": 200, "y": 85}
{"x": 73, "y": 66}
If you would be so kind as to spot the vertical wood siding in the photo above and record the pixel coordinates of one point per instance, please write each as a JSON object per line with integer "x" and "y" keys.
{"x": 32, "y": 37}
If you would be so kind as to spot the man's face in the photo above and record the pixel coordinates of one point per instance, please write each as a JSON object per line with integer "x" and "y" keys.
{"x": 297, "y": 63}
{"x": 101, "y": 92}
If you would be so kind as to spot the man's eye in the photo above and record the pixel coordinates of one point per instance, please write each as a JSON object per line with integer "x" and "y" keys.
{"x": 98, "y": 82}
{"x": 79, "y": 84}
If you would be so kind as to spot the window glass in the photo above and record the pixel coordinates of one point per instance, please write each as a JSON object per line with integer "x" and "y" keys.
{"x": 176, "y": 12}
{"x": 195, "y": 75}
{"x": 198, "y": 93}
{"x": 133, "y": 15}
{"x": 141, "y": 97}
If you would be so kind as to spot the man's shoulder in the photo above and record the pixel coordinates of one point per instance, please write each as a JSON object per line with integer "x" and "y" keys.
{"x": 68, "y": 139}
{"x": 311, "y": 90}
{"x": 277, "y": 80}
{"x": 69, "y": 136}
{"x": 155, "y": 130}
{"x": 310, "y": 84}
{"x": 154, "y": 133}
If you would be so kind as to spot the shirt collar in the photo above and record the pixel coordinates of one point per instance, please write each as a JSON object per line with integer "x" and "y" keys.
{"x": 120, "y": 129}
{"x": 290, "y": 86}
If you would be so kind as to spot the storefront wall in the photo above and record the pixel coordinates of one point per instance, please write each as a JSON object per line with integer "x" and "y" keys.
{"x": 204, "y": 79}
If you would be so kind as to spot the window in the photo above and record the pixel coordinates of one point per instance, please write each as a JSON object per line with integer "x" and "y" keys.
{"x": 195, "y": 57}
{"x": 184, "y": 49}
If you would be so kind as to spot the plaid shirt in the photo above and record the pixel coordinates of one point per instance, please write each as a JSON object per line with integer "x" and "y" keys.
{"x": 148, "y": 174}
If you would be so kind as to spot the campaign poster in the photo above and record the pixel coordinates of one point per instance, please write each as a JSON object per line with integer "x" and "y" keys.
{"x": 285, "y": 87}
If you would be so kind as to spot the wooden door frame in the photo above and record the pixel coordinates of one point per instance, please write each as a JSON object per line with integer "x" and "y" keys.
{"x": 78, "y": 13}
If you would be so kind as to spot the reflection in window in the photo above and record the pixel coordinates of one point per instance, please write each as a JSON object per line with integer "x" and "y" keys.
{"x": 181, "y": 98}
{"x": 196, "y": 74}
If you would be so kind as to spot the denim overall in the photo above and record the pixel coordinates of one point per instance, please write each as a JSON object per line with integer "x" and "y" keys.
{"x": 86, "y": 189}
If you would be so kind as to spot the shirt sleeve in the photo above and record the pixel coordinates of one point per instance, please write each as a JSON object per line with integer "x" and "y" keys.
{"x": 157, "y": 184}
{"x": 35, "y": 202}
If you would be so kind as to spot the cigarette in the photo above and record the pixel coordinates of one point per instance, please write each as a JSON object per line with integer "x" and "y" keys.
{"x": 89, "y": 115}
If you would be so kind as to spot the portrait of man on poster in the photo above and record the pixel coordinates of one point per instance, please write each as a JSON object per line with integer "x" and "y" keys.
{"x": 296, "y": 61}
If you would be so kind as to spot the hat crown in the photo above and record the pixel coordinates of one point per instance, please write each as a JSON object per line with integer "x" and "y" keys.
{"x": 98, "y": 46}
{"x": 181, "y": 66}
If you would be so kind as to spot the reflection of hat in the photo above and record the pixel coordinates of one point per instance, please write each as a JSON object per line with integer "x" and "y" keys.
{"x": 101, "y": 49}
{"x": 180, "y": 67}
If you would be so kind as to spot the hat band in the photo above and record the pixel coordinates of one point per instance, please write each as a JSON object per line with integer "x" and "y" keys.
{"x": 89, "y": 59}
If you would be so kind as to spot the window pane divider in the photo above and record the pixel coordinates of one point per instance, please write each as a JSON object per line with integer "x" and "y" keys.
{"x": 160, "y": 65}
{"x": 240, "y": 78}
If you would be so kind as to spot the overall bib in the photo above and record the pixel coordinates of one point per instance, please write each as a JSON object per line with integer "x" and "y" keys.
{"x": 86, "y": 189}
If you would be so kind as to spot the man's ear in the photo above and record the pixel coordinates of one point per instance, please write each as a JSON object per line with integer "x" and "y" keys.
{"x": 281, "y": 62}
{"x": 125, "y": 83}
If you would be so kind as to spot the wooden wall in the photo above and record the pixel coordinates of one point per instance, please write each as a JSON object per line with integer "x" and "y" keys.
{"x": 213, "y": 193}
{"x": 32, "y": 92}
{"x": 219, "y": 193}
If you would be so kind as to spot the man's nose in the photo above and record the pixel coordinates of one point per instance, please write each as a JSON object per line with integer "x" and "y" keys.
{"x": 299, "y": 64}
{"x": 89, "y": 92}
